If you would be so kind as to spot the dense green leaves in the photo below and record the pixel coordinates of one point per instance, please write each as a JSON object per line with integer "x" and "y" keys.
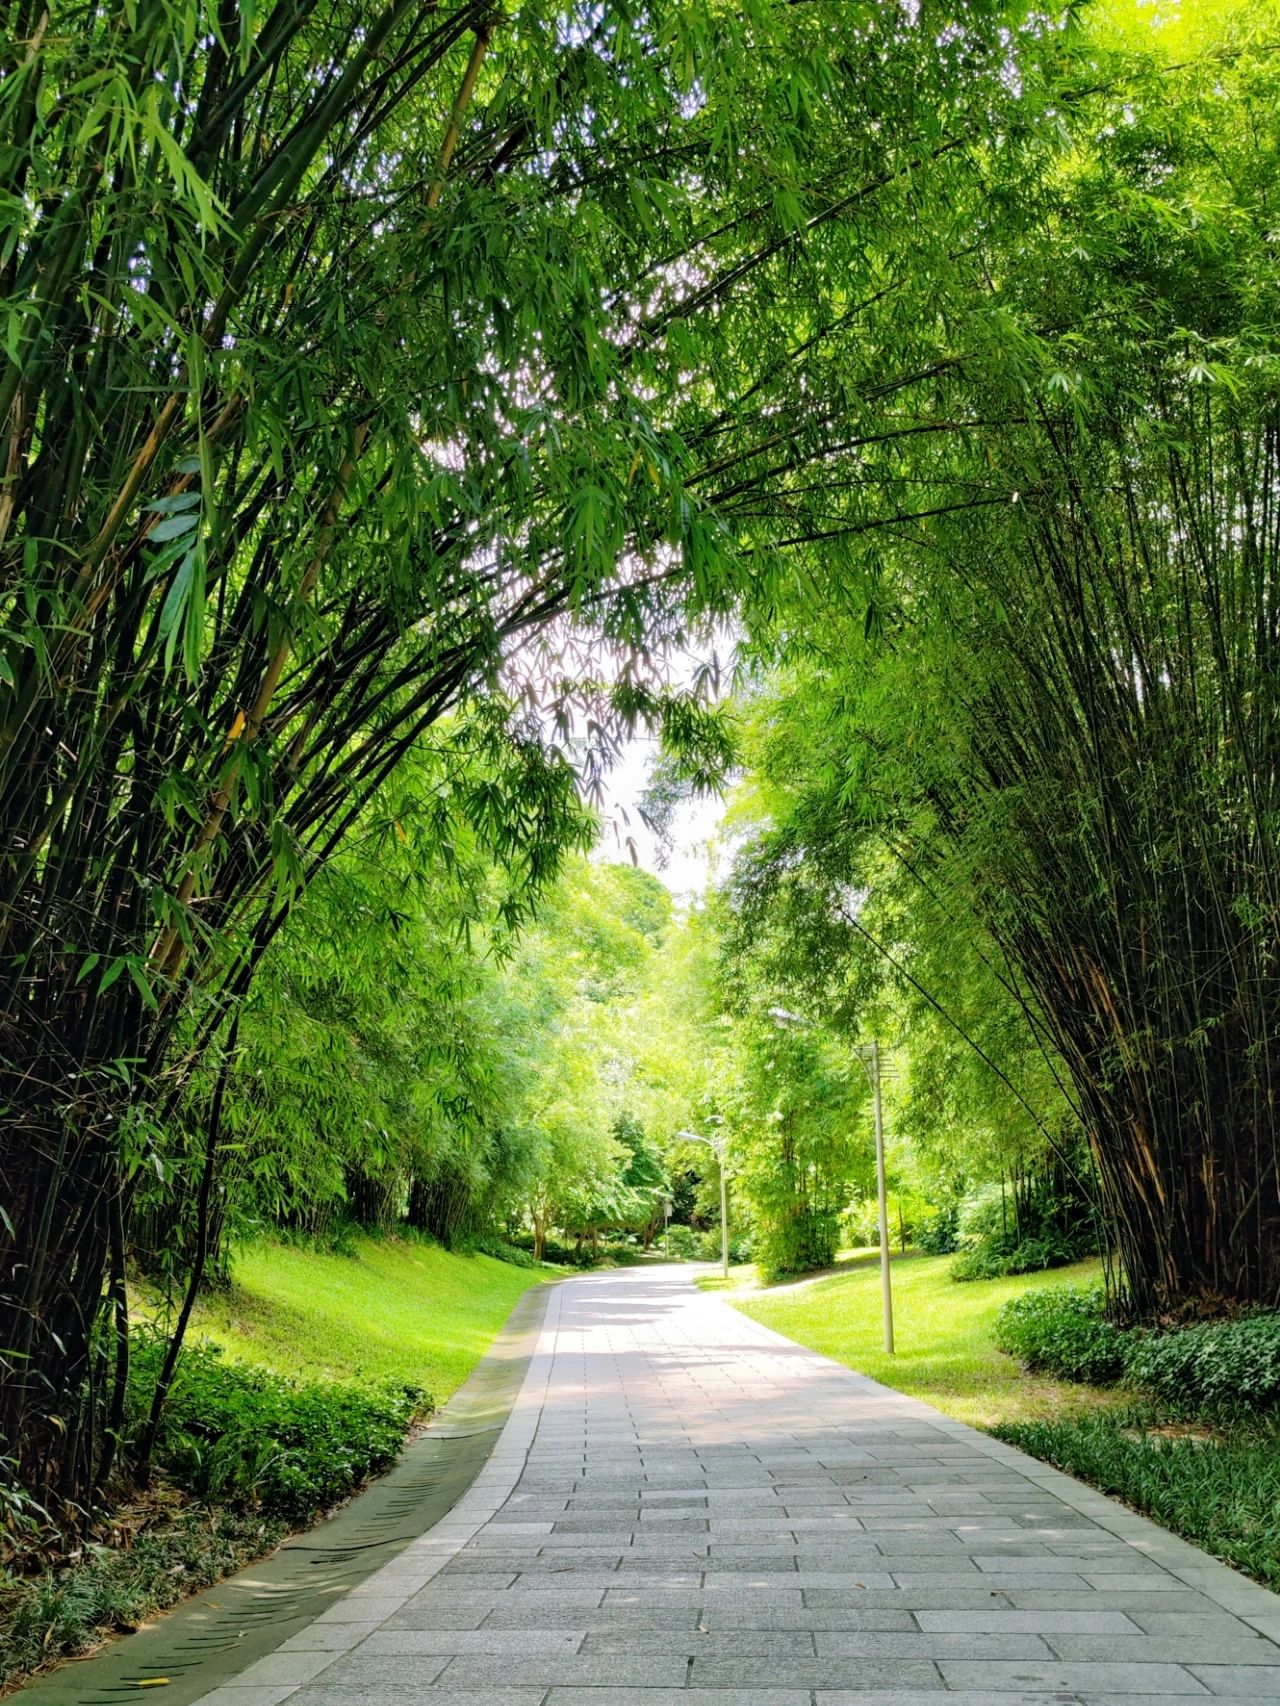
{"x": 486, "y": 346}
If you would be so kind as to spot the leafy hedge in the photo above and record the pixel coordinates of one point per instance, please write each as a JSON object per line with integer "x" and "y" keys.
{"x": 487, "y": 1244}
{"x": 1002, "y": 1254}
{"x": 1064, "y": 1332}
{"x": 247, "y": 1435}
{"x": 1216, "y": 1368}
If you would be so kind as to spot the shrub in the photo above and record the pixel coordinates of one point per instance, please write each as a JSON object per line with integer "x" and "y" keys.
{"x": 859, "y": 1224}
{"x": 938, "y": 1234}
{"x": 1002, "y": 1254}
{"x": 682, "y": 1242}
{"x": 247, "y": 1435}
{"x": 1065, "y": 1332}
{"x": 803, "y": 1243}
{"x": 709, "y": 1247}
{"x": 485, "y": 1244}
{"x": 1046, "y": 1223}
{"x": 1218, "y": 1367}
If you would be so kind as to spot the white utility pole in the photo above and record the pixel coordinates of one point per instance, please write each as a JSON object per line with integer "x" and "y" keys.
{"x": 886, "y": 1279}
{"x": 870, "y": 1057}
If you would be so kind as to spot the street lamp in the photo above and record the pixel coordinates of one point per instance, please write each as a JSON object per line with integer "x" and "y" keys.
{"x": 720, "y": 1147}
{"x": 869, "y": 1054}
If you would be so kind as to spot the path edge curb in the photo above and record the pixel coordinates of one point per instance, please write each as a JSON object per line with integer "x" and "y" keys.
{"x": 224, "y": 1673}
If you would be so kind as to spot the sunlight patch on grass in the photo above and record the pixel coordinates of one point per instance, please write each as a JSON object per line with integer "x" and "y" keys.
{"x": 393, "y": 1310}
{"x": 942, "y": 1331}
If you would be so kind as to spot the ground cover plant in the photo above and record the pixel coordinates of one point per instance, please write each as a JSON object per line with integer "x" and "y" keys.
{"x": 147, "y": 1561}
{"x": 1208, "y": 1369}
{"x": 289, "y": 1446}
{"x": 1219, "y": 1488}
{"x": 1198, "y": 1450}
{"x": 1213, "y": 1368}
{"x": 1065, "y": 1331}
{"x": 297, "y": 1384}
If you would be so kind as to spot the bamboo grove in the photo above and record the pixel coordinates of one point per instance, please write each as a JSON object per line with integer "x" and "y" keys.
{"x": 1056, "y": 714}
{"x": 347, "y": 353}
{"x": 372, "y": 374}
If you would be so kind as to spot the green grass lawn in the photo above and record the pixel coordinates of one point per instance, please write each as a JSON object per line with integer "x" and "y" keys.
{"x": 392, "y": 1310}
{"x": 945, "y": 1354}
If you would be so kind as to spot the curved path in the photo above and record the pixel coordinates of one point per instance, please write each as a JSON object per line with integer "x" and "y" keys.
{"x": 685, "y": 1509}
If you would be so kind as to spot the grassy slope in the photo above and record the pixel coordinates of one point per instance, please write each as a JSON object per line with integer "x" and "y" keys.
{"x": 942, "y": 1332}
{"x": 391, "y": 1311}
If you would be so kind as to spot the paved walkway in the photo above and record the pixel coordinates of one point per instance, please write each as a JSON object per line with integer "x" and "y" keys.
{"x": 687, "y": 1510}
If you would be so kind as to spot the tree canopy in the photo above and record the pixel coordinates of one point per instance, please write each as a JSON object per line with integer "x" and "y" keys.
{"x": 394, "y": 402}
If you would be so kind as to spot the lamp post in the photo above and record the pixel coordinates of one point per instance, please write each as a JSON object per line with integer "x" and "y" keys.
{"x": 869, "y": 1054}
{"x": 720, "y": 1147}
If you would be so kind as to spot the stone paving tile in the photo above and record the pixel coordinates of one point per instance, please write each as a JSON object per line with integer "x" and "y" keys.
{"x": 413, "y": 1692}
{"x": 814, "y": 1618}
{"x": 918, "y": 1645}
{"x": 782, "y": 1696}
{"x": 705, "y": 1643}
{"x": 687, "y": 1511}
{"x": 1258, "y": 1683}
{"x": 584, "y": 1670}
{"x": 1184, "y": 1649}
{"x": 452, "y": 1642}
{"x": 816, "y": 1673}
{"x": 616, "y": 1617}
{"x": 956, "y": 1697}
{"x": 1132, "y": 1679}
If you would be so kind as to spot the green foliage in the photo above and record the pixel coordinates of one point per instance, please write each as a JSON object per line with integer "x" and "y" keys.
{"x": 234, "y": 1434}
{"x": 794, "y": 1238}
{"x": 327, "y": 420}
{"x": 1064, "y": 1331}
{"x": 683, "y": 1244}
{"x": 741, "y": 1247}
{"x": 109, "y": 1589}
{"x": 502, "y": 1251}
{"x": 1023, "y": 754}
{"x": 569, "y": 990}
{"x": 1007, "y": 1253}
{"x": 1209, "y": 1370}
{"x": 1049, "y": 1221}
{"x": 1221, "y": 1492}
{"x": 938, "y": 1234}
{"x": 24, "y": 1523}
{"x": 1212, "y": 1369}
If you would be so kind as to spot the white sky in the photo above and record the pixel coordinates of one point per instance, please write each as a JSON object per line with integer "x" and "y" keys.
{"x": 695, "y": 826}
